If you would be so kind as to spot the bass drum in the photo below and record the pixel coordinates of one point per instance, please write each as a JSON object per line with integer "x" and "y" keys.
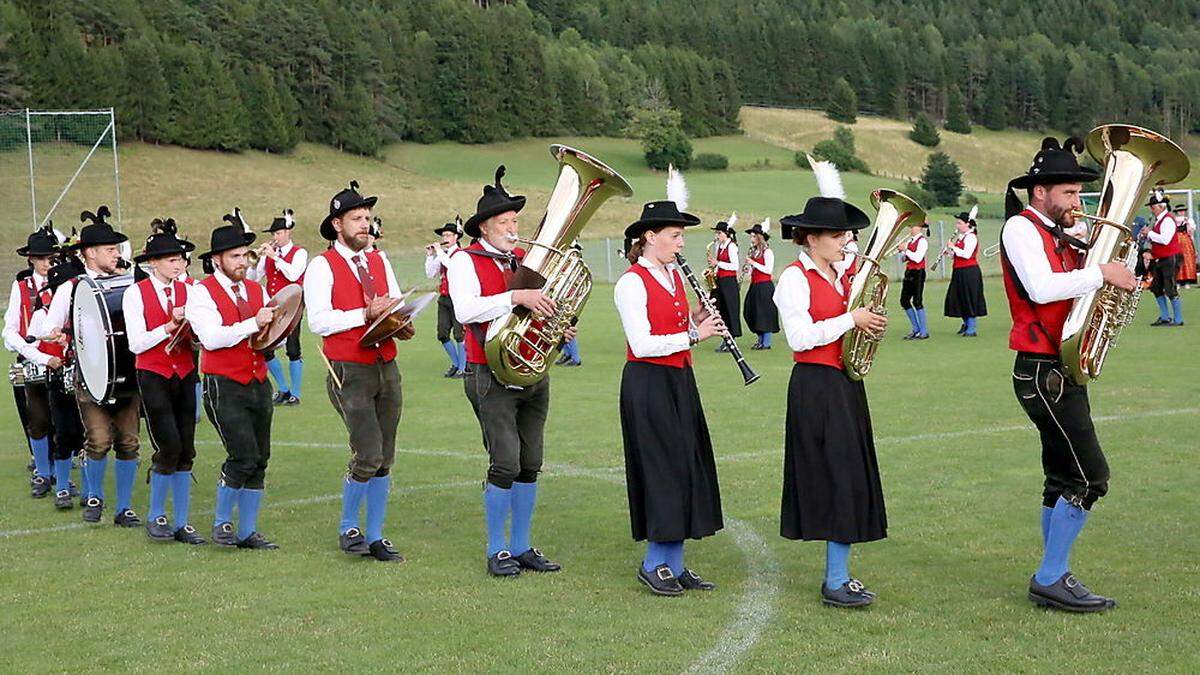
{"x": 103, "y": 362}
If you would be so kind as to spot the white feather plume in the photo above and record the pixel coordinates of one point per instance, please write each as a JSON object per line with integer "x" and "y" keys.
{"x": 766, "y": 226}
{"x": 973, "y": 212}
{"x": 829, "y": 180}
{"x": 732, "y": 219}
{"x": 677, "y": 188}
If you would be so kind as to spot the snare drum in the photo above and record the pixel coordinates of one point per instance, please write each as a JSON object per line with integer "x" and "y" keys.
{"x": 103, "y": 363}
{"x": 35, "y": 373}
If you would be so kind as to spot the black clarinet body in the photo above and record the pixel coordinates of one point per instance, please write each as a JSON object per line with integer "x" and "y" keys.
{"x": 748, "y": 375}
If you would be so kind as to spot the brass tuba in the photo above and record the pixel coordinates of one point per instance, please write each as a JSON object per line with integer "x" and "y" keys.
{"x": 869, "y": 288}
{"x": 521, "y": 345}
{"x": 1134, "y": 160}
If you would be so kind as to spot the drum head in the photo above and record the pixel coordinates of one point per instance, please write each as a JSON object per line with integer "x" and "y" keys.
{"x": 91, "y": 326}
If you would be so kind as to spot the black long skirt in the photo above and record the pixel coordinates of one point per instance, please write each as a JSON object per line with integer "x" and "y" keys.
{"x": 670, "y": 472}
{"x": 761, "y": 314}
{"x": 964, "y": 297}
{"x": 729, "y": 303}
{"x": 831, "y": 486}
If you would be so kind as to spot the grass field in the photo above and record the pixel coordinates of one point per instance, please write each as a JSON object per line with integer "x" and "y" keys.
{"x": 961, "y": 476}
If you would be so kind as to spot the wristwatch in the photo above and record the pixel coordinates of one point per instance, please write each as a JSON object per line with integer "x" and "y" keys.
{"x": 693, "y": 335}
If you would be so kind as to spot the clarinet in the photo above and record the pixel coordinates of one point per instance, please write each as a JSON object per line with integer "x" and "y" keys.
{"x": 748, "y": 375}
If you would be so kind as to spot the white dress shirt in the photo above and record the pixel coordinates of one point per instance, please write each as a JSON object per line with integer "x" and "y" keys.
{"x": 434, "y": 264}
{"x": 919, "y": 254}
{"x": 969, "y": 242}
{"x": 1163, "y": 232}
{"x": 323, "y": 319}
{"x": 632, "y": 302}
{"x": 12, "y": 323}
{"x": 793, "y": 297}
{"x": 768, "y": 263}
{"x": 470, "y": 306}
{"x": 290, "y": 270}
{"x": 201, "y": 312}
{"x": 45, "y": 321}
{"x": 732, "y": 265}
{"x": 140, "y": 339}
{"x": 1024, "y": 251}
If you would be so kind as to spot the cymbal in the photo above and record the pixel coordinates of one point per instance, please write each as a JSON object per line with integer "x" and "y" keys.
{"x": 394, "y": 319}
{"x": 289, "y": 304}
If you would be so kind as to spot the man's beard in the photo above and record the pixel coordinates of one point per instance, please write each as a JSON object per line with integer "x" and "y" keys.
{"x": 1062, "y": 218}
{"x": 355, "y": 244}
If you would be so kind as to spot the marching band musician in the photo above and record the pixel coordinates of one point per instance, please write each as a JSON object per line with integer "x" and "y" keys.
{"x": 912, "y": 290}
{"x": 1164, "y": 250}
{"x": 18, "y": 390}
{"x": 726, "y": 293}
{"x": 345, "y": 290}
{"x": 280, "y": 263}
{"x": 670, "y": 472}
{"x": 1186, "y": 229}
{"x": 964, "y": 295}
{"x": 225, "y": 311}
{"x": 27, "y": 295}
{"x": 107, "y": 426}
{"x": 512, "y": 419}
{"x": 831, "y": 485}
{"x": 166, "y": 377}
{"x": 437, "y": 261}
{"x": 1042, "y": 275}
{"x": 761, "y": 314}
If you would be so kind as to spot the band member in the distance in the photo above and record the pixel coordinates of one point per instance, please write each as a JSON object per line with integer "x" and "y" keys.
{"x": 762, "y": 317}
{"x": 437, "y": 261}
{"x": 1164, "y": 251}
{"x": 912, "y": 290}
{"x": 281, "y": 262}
{"x": 964, "y": 295}
{"x": 726, "y": 293}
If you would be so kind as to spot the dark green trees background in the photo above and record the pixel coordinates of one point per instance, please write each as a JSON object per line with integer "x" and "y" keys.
{"x": 357, "y": 74}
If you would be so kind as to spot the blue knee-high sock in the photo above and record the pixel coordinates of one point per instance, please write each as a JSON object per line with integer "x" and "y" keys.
{"x": 912, "y": 319}
{"x": 451, "y": 351}
{"x": 226, "y": 498}
{"x": 296, "y": 372}
{"x": 571, "y": 349}
{"x": 922, "y": 322}
{"x": 353, "y": 493}
{"x": 1177, "y": 307}
{"x": 524, "y": 498}
{"x": 41, "y": 455}
{"x": 97, "y": 468}
{"x": 160, "y": 485}
{"x": 377, "y": 499}
{"x": 1046, "y": 513}
{"x": 126, "y": 473}
{"x": 199, "y": 401}
{"x": 1065, "y": 525}
{"x": 657, "y": 553}
{"x": 675, "y": 557}
{"x": 497, "y": 503}
{"x": 1163, "y": 313}
{"x": 765, "y": 339}
{"x": 249, "y": 502}
{"x": 460, "y": 358}
{"x": 62, "y": 470}
{"x": 181, "y": 492}
{"x": 276, "y": 370}
{"x": 837, "y": 564}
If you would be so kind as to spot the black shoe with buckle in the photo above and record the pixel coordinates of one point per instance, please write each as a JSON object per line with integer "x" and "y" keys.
{"x": 352, "y": 542}
{"x": 450, "y": 372}
{"x": 280, "y": 398}
{"x": 692, "y": 582}
{"x": 1068, "y": 594}
{"x": 571, "y": 363}
{"x": 502, "y": 564}
{"x": 383, "y": 551}
{"x": 127, "y": 518}
{"x": 851, "y": 594}
{"x": 1162, "y": 322}
{"x": 258, "y": 542}
{"x": 39, "y": 488}
{"x": 93, "y": 508}
{"x": 159, "y": 529}
{"x": 562, "y": 359}
{"x": 292, "y": 399}
{"x": 460, "y": 374}
{"x": 661, "y": 581}
{"x": 188, "y": 535}
{"x": 223, "y": 534}
{"x": 63, "y": 500}
{"x": 534, "y": 560}
{"x": 911, "y": 336}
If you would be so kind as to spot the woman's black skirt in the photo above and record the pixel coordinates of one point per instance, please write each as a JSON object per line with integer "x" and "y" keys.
{"x": 669, "y": 467}
{"x": 729, "y": 303}
{"x": 831, "y": 486}
{"x": 761, "y": 314}
{"x": 964, "y": 297}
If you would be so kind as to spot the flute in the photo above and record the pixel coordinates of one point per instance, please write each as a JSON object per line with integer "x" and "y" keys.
{"x": 706, "y": 302}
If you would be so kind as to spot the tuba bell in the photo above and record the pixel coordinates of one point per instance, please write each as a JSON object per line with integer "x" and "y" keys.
{"x": 521, "y": 345}
{"x": 869, "y": 288}
{"x": 1134, "y": 160}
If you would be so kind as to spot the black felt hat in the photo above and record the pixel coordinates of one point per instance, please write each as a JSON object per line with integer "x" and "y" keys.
{"x": 495, "y": 200}
{"x": 164, "y": 241}
{"x": 66, "y": 266}
{"x": 1158, "y": 196}
{"x": 825, "y": 213}
{"x": 455, "y": 227}
{"x": 40, "y": 242}
{"x": 727, "y": 226}
{"x": 234, "y": 235}
{"x": 343, "y": 202}
{"x": 1052, "y": 165}
{"x": 762, "y": 229}
{"x": 99, "y": 233}
{"x": 659, "y": 214}
{"x": 286, "y": 221}
{"x": 1180, "y": 207}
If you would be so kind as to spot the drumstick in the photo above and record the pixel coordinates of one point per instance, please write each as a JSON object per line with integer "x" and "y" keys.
{"x": 337, "y": 381}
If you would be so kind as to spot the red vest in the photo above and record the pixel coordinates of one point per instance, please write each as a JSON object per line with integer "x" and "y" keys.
{"x": 723, "y": 256}
{"x": 275, "y": 279}
{"x": 973, "y": 261}
{"x": 912, "y": 247}
{"x": 444, "y": 284}
{"x": 51, "y": 348}
{"x": 240, "y": 362}
{"x": 824, "y": 303}
{"x": 668, "y": 315}
{"x": 757, "y": 277}
{"x": 347, "y": 295}
{"x": 178, "y": 363}
{"x": 492, "y": 281}
{"x": 1038, "y": 328}
{"x": 1167, "y": 221}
